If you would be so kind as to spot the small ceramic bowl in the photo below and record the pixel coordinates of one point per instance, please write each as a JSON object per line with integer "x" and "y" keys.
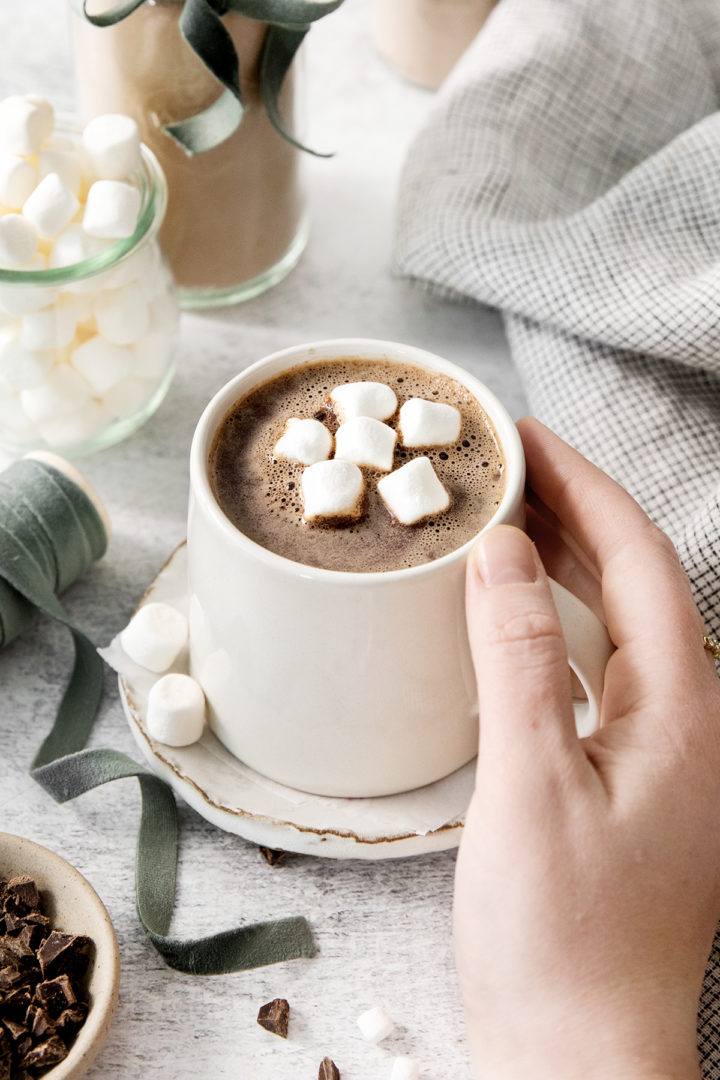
{"x": 74, "y": 907}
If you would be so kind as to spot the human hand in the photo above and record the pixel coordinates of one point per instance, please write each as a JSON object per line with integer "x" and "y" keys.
{"x": 588, "y": 879}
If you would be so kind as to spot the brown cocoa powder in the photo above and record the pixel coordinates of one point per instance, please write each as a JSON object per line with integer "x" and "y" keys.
{"x": 233, "y": 211}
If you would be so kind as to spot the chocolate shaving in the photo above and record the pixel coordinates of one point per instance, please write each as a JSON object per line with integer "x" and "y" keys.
{"x": 328, "y": 1070}
{"x": 272, "y": 856}
{"x": 275, "y": 1017}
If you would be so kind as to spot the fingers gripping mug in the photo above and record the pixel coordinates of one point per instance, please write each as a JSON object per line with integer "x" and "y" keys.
{"x": 355, "y": 681}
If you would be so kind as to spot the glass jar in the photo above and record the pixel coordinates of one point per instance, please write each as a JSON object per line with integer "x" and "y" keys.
{"x": 236, "y": 221}
{"x": 87, "y": 351}
{"x": 424, "y": 39}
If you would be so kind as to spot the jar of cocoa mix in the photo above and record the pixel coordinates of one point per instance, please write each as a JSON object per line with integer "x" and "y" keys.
{"x": 423, "y": 39}
{"x": 236, "y": 219}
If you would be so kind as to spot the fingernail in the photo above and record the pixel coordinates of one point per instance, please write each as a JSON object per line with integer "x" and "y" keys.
{"x": 505, "y": 556}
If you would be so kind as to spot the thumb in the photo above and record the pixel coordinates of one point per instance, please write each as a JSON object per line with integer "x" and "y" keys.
{"x": 518, "y": 650}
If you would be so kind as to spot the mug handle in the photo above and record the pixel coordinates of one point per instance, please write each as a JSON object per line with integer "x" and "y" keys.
{"x": 589, "y": 649}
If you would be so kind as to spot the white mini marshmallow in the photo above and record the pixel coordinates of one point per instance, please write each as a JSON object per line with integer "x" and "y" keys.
{"x": 353, "y": 399}
{"x": 47, "y": 115}
{"x": 25, "y": 124}
{"x": 122, "y": 314}
{"x": 66, "y": 163}
{"x": 128, "y": 396}
{"x": 428, "y": 423}
{"x": 49, "y": 328}
{"x": 18, "y": 300}
{"x": 332, "y": 490}
{"x": 14, "y": 418}
{"x": 176, "y": 710}
{"x": 375, "y": 1024}
{"x": 103, "y": 365}
{"x": 75, "y": 429}
{"x": 304, "y": 441}
{"x": 21, "y": 369}
{"x": 18, "y": 241}
{"x": 404, "y": 1068}
{"x": 74, "y": 246}
{"x": 17, "y": 180}
{"x": 113, "y": 145}
{"x": 51, "y": 207}
{"x": 154, "y": 636}
{"x": 414, "y": 492}
{"x": 62, "y": 392}
{"x": 111, "y": 210}
{"x": 366, "y": 441}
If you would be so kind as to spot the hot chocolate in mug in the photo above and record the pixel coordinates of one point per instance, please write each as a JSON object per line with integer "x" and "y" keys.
{"x": 348, "y": 683}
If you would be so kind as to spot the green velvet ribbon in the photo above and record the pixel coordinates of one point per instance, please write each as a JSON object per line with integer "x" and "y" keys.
{"x": 202, "y": 28}
{"x": 50, "y": 533}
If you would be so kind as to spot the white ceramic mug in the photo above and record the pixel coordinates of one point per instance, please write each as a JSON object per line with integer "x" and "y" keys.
{"x": 348, "y": 684}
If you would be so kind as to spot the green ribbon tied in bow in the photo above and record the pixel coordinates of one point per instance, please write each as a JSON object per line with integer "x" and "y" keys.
{"x": 202, "y": 28}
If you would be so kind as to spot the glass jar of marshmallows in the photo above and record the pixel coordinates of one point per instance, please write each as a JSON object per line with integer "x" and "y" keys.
{"x": 88, "y": 315}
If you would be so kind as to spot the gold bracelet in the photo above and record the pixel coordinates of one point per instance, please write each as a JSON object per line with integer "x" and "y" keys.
{"x": 712, "y": 645}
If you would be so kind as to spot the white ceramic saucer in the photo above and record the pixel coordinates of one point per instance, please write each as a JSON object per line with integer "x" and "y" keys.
{"x": 239, "y": 800}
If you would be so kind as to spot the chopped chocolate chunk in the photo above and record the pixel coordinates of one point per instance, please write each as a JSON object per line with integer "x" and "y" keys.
{"x": 15, "y": 1002}
{"x": 64, "y": 954}
{"x": 273, "y": 856}
{"x": 39, "y": 1008}
{"x": 21, "y": 895}
{"x": 70, "y": 1020}
{"x": 55, "y": 995}
{"x": 45, "y": 1054}
{"x": 275, "y": 1017}
{"x": 15, "y": 1030}
{"x": 14, "y": 949}
{"x": 10, "y": 976}
{"x": 5, "y": 1055}
{"x": 24, "y": 1047}
{"x": 328, "y": 1070}
{"x": 39, "y": 1022}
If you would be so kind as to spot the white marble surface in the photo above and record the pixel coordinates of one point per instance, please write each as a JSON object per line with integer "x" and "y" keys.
{"x": 383, "y": 929}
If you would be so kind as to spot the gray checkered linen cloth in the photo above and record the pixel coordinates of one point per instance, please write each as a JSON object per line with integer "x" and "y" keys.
{"x": 569, "y": 175}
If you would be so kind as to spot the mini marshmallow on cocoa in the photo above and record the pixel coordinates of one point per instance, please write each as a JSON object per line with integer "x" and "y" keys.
{"x": 424, "y": 424}
{"x": 306, "y": 441}
{"x": 374, "y": 399}
{"x": 155, "y": 635}
{"x": 366, "y": 441}
{"x": 176, "y": 710}
{"x": 332, "y": 491}
{"x": 414, "y": 492}
{"x": 112, "y": 142}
